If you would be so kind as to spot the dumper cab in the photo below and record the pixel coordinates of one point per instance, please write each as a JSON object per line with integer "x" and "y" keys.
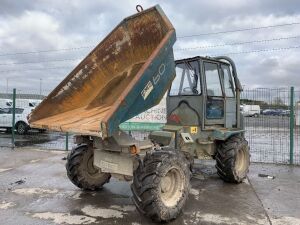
{"x": 204, "y": 94}
{"x": 202, "y": 106}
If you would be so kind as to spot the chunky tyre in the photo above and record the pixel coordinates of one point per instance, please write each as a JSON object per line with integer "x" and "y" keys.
{"x": 161, "y": 185}
{"x": 21, "y": 128}
{"x": 81, "y": 171}
{"x": 233, "y": 159}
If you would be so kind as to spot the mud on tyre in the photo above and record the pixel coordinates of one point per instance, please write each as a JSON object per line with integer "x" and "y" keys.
{"x": 233, "y": 159}
{"x": 161, "y": 185}
{"x": 81, "y": 171}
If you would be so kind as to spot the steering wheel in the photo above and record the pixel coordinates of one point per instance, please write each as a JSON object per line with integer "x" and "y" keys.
{"x": 189, "y": 89}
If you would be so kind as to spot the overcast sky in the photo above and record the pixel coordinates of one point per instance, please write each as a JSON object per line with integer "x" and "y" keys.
{"x": 28, "y": 26}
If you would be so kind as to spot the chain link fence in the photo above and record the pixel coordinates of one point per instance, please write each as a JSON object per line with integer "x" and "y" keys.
{"x": 272, "y": 131}
{"x": 297, "y": 128}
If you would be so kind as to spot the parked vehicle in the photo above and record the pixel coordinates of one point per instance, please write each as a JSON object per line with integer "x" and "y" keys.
{"x": 276, "y": 112}
{"x": 285, "y": 112}
{"x": 250, "y": 110}
{"x": 127, "y": 73}
{"x": 5, "y": 103}
{"x": 27, "y": 103}
{"x": 21, "y": 123}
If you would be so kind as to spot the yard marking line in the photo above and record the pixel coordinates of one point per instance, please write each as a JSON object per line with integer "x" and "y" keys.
{"x": 266, "y": 213}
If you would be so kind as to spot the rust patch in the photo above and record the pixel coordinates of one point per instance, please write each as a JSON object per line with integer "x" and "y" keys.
{"x": 94, "y": 90}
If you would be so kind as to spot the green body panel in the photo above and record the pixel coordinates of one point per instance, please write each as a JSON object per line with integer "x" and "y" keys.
{"x": 223, "y": 135}
{"x": 162, "y": 137}
{"x": 140, "y": 126}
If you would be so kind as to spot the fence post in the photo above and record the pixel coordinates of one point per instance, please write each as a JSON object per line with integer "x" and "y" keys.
{"x": 13, "y": 119}
{"x": 292, "y": 122}
{"x": 67, "y": 141}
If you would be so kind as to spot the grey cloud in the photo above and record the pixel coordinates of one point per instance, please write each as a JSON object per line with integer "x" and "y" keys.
{"x": 85, "y": 23}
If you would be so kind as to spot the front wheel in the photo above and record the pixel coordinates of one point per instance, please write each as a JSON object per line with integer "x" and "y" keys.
{"x": 81, "y": 170}
{"x": 21, "y": 128}
{"x": 161, "y": 185}
{"x": 233, "y": 159}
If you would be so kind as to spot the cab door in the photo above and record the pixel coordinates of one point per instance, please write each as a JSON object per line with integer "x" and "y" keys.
{"x": 214, "y": 106}
{"x": 230, "y": 98}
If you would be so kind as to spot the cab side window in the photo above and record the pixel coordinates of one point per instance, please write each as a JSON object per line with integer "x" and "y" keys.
{"x": 214, "y": 103}
{"x": 228, "y": 83}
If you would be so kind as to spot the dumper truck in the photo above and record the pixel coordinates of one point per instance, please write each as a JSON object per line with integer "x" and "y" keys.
{"x": 127, "y": 73}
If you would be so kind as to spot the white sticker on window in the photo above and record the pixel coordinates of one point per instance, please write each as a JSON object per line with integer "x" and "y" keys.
{"x": 147, "y": 90}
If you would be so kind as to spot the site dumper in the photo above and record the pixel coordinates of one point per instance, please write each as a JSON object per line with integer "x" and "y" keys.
{"x": 127, "y": 73}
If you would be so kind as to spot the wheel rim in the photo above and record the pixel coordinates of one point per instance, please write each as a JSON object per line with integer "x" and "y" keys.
{"x": 171, "y": 187}
{"x": 21, "y": 128}
{"x": 241, "y": 162}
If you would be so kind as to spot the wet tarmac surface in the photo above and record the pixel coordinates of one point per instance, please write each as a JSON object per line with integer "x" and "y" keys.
{"x": 34, "y": 189}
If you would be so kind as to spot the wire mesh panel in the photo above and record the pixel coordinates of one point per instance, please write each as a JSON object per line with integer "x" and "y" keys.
{"x": 25, "y": 136}
{"x": 5, "y": 119}
{"x": 267, "y": 125}
{"x": 297, "y": 128}
{"x": 266, "y": 111}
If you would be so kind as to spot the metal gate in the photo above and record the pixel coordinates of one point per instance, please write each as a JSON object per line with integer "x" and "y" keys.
{"x": 273, "y": 135}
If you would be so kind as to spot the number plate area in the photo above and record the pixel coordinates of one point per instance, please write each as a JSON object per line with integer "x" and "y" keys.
{"x": 113, "y": 162}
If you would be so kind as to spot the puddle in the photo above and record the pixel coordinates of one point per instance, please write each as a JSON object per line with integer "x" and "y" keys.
{"x": 64, "y": 218}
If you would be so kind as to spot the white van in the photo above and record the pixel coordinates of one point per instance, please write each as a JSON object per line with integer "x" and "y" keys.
{"x": 5, "y": 103}
{"x": 27, "y": 103}
{"x": 21, "y": 123}
{"x": 250, "y": 110}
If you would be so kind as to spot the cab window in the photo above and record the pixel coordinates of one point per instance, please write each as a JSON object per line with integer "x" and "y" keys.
{"x": 214, "y": 105}
{"x": 228, "y": 83}
{"x": 187, "y": 80}
{"x": 213, "y": 84}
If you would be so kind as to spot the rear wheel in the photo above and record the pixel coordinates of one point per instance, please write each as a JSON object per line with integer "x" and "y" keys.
{"x": 233, "y": 159}
{"x": 81, "y": 170}
{"x": 21, "y": 128}
{"x": 161, "y": 185}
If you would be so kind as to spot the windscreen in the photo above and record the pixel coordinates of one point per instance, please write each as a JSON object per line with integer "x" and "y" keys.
{"x": 187, "y": 80}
